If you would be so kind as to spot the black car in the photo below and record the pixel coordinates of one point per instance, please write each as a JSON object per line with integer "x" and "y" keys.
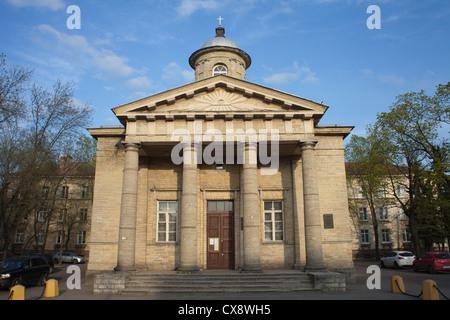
{"x": 26, "y": 270}
{"x": 47, "y": 257}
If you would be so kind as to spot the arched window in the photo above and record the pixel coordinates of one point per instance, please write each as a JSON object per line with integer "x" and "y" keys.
{"x": 219, "y": 69}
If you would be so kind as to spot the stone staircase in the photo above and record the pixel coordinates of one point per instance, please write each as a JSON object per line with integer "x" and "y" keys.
{"x": 143, "y": 283}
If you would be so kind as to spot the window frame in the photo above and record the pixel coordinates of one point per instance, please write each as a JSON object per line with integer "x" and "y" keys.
{"x": 363, "y": 214}
{"x": 167, "y": 213}
{"x": 273, "y": 221}
{"x": 81, "y": 237}
{"x": 385, "y": 236}
{"x": 365, "y": 236}
{"x": 218, "y": 73}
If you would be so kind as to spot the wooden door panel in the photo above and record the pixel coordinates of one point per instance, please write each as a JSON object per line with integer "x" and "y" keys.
{"x": 220, "y": 237}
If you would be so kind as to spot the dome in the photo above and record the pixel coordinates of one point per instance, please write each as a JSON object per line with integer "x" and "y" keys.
{"x": 220, "y": 41}
{"x": 220, "y": 53}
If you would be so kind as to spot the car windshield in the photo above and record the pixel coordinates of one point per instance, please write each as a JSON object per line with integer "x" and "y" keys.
{"x": 407, "y": 254}
{"x": 442, "y": 256}
{"x": 11, "y": 263}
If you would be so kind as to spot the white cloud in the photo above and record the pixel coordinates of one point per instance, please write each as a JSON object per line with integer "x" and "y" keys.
{"x": 302, "y": 73}
{"x": 73, "y": 48}
{"x": 50, "y": 4}
{"x": 188, "y": 7}
{"x": 111, "y": 65}
{"x": 139, "y": 83}
{"x": 174, "y": 72}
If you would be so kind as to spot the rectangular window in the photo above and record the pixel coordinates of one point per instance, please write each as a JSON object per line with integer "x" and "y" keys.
{"x": 45, "y": 192}
{"x": 401, "y": 191}
{"x": 19, "y": 237}
{"x": 81, "y": 237}
{"x": 40, "y": 238}
{"x": 363, "y": 214}
{"x": 64, "y": 192}
{"x": 406, "y": 236}
{"x": 273, "y": 221}
{"x": 62, "y": 214}
{"x": 83, "y": 215}
{"x": 385, "y": 236}
{"x": 42, "y": 215}
{"x": 59, "y": 237}
{"x": 84, "y": 192}
{"x": 167, "y": 221}
{"x": 384, "y": 216}
{"x": 365, "y": 237}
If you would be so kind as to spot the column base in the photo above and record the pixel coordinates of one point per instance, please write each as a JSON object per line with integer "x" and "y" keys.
{"x": 256, "y": 268}
{"x": 299, "y": 267}
{"x": 125, "y": 268}
{"x": 188, "y": 269}
{"x": 316, "y": 268}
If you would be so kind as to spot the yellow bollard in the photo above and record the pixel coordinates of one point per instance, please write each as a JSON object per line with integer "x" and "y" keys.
{"x": 397, "y": 285}
{"x": 429, "y": 290}
{"x": 17, "y": 293}
{"x": 51, "y": 289}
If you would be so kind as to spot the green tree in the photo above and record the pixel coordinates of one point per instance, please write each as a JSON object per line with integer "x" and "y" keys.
{"x": 30, "y": 147}
{"x": 367, "y": 169}
{"x": 410, "y": 136}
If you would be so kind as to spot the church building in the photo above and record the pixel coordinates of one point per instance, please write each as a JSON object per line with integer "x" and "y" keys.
{"x": 220, "y": 173}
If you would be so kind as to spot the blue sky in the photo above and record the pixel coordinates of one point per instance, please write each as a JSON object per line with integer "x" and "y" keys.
{"x": 317, "y": 49}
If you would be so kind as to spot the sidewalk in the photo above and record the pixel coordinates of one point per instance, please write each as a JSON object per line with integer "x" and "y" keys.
{"x": 356, "y": 291}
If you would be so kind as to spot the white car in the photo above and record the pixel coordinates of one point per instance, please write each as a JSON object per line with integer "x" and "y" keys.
{"x": 398, "y": 259}
{"x": 68, "y": 257}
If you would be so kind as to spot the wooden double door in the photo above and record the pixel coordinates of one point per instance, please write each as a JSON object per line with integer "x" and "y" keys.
{"x": 220, "y": 242}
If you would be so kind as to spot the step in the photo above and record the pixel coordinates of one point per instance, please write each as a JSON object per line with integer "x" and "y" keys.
{"x": 145, "y": 283}
{"x": 147, "y": 291}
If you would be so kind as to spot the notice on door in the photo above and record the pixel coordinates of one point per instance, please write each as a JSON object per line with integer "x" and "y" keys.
{"x": 213, "y": 244}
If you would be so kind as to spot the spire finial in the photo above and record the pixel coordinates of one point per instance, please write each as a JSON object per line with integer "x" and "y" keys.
{"x": 220, "y": 21}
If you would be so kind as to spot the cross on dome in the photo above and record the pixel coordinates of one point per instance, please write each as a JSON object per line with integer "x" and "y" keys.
{"x": 220, "y": 20}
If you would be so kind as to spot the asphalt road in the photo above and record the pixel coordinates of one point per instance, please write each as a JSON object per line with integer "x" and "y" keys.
{"x": 357, "y": 291}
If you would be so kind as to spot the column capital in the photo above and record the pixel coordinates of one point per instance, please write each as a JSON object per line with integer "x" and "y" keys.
{"x": 131, "y": 146}
{"x": 308, "y": 144}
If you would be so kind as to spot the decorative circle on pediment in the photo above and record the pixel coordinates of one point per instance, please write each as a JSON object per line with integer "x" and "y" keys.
{"x": 220, "y": 100}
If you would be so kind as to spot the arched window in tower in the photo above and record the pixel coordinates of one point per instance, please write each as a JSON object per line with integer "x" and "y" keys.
{"x": 220, "y": 69}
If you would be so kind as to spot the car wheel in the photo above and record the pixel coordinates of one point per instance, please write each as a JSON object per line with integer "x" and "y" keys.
{"x": 42, "y": 280}
{"x": 415, "y": 268}
{"x": 382, "y": 264}
{"x": 75, "y": 261}
{"x": 431, "y": 269}
{"x": 396, "y": 265}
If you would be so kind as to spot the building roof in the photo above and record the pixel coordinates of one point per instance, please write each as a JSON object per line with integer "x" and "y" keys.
{"x": 220, "y": 40}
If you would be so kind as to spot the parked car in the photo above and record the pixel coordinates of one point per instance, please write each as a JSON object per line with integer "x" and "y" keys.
{"x": 397, "y": 259}
{"x": 68, "y": 257}
{"x": 432, "y": 262}
{"x": 8, "y": 255}
{"x": 46, "y": 257}
{"x": 23, "y": 270}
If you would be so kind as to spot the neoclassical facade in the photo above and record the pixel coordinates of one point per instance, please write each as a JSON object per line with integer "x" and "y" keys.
{"x": 220, "y": 173}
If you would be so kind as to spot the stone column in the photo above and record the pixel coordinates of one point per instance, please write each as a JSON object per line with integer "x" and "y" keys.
{"x": 313, "y": 227}
{"x": 189, "y": 197}
{"x": 127, "y": 226}
{"x": 252, "y": 235}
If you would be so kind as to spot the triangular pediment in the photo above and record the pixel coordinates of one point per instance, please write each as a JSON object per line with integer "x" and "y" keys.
{"x": 220, "y": 95}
